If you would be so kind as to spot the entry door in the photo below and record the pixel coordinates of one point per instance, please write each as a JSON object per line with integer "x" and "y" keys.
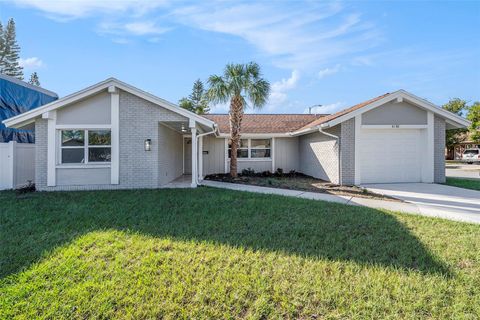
{"x": 187, "y": 155}
{"x": 391, "y": 155}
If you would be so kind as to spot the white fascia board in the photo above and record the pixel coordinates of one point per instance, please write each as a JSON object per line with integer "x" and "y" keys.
{"x": 304, "y": 131}
{"x": 258, "y": 135}
{"x": 82, "y": 94}
{"x": 163, "y": 103}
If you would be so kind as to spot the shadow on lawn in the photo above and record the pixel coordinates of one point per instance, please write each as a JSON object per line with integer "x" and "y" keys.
{"x": 30, "y": 227}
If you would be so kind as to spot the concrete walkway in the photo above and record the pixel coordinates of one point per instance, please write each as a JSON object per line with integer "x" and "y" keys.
{"x": 435, "y": 199}
{"x": 356, "y": 201}
{"x": 438, "y": 204}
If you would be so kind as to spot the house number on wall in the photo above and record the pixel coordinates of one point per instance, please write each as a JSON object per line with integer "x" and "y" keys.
{"x": 395, "y": 126}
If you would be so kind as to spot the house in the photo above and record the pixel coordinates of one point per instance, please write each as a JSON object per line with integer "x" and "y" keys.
{"x": 112, "y": 135}
{"x": 467, "y": 142}
{"x": 16, "y": 97}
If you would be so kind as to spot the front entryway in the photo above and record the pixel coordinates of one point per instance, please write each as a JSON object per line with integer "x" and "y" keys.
{"x": 187, "y": 155}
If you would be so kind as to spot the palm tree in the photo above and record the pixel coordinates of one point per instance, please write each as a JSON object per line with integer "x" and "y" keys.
{"x": 240, "y": 83}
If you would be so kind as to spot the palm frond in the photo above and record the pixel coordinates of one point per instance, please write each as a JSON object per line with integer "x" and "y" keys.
{"x": 218, "y": 90}
{"x": 258, "y": 92}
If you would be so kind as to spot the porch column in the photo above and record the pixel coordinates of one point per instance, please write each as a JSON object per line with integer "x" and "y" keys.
{"x": 200, "y": 158}
{"x": 193, "y": 129}
{"x": 51, "y": 117}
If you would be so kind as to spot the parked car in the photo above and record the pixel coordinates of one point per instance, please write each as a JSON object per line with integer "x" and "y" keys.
{"x": 471, "y": 155}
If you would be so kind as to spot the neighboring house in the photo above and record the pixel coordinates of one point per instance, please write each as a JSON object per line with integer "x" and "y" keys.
{"x": 457, "y": 151}
{"x": 113, "y": 135}
{"x": 17, "y": 97}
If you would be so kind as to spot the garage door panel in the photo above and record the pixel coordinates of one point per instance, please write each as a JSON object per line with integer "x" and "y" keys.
{"x": 389, "y": 156}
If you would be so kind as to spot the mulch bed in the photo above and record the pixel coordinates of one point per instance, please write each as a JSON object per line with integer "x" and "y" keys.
{"x": 297, "y": 181}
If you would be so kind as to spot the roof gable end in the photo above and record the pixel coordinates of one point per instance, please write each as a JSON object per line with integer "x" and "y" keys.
{"x": 29, "y": 116}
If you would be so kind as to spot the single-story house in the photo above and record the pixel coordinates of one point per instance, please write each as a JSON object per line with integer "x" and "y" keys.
{"x": 112, "y": 135}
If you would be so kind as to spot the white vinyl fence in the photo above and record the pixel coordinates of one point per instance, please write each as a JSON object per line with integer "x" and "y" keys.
{"x": 17, "y": 164}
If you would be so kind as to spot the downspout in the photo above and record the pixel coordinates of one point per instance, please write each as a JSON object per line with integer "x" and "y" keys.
{"x": 339, "y": 151}
{"x": 214, "y": 131}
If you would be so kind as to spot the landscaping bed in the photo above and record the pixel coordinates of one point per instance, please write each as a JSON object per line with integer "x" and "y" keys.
{"x": 296, "y": 181}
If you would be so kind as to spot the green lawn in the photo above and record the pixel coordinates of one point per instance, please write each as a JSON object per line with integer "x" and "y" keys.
{"x": 464, "y": 183}
{"x": 210, "y": 253}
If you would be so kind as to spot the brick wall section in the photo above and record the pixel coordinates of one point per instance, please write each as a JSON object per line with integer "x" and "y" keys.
{"x": 139, "y": 120}
{"x": 439, "y": 150}
{"x": 41, "y": 128}
{"x": 347, "y": 152}
{"x": 318, "y": 155}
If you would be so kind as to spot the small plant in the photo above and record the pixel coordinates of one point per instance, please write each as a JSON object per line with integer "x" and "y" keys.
{"x": 29, "y": 187}
{"x": 248, "y": 172}
{"x": 279, "y": 172}
{"x": 266, "y": 174}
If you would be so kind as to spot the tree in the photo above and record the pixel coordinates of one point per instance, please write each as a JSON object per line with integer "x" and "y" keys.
{"x": 10, "y": 57}
{"x": 197, "y": 101}
{"x": 34, "y": 79}
{"x": 474, "y": 116}
{"x": 455, "y": 136}
{"x": 240, "y": 83}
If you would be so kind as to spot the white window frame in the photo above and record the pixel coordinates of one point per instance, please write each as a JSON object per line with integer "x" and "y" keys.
{"x": 250, "y": 158}
{"x": 85, "y": 148}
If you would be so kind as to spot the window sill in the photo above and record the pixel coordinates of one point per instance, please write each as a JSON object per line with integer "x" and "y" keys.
{"x": 252, "y": 159}
{"x": 83, "y": 166}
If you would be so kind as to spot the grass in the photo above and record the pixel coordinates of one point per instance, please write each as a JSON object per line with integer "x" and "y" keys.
{"x": 464, "y": 183}
{"x": 210, "y": 253}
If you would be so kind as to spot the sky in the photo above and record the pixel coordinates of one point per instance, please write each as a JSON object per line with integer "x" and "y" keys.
{"x": 333, "y": 54}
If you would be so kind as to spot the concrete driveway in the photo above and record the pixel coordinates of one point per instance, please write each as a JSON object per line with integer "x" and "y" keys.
{"x": 435, "y": 199}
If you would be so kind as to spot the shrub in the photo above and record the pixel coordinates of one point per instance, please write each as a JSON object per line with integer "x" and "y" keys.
{"x": 249, "y": 172}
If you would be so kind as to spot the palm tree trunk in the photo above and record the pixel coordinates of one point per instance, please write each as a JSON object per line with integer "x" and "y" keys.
{"x": 236, "y": 116}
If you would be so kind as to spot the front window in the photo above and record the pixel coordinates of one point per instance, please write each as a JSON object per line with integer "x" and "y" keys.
{"x": 260, "y": 148}
{"x": 252, "y": 148}
{"x": 242, "y": 150}
{"x": 85, "y": 146}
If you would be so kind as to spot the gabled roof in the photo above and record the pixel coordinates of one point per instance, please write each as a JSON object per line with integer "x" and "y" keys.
{"x": 454, "y": 120}
{"x": 265, "y": 123}
{"x": 29, "y": 116}
{"x": 342, "y": 112}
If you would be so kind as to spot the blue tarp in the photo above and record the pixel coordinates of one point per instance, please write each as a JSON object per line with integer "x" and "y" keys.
{"x": 17, "y": 97}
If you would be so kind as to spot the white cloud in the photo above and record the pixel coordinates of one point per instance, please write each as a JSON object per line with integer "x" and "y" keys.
{"x": 328, "y": 71}
{"x": 294, "y": 36}
{"x": 73, "y": 9}
{"x": 325, "y": 109}
{"x": 279, "y": 89}
{"x": 132, "y": 28}
{"x": 31, "y": 63}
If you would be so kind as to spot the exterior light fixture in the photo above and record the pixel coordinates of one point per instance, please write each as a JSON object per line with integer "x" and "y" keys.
{"x": 183, "y": 128}
{"x": 148, "y": 144}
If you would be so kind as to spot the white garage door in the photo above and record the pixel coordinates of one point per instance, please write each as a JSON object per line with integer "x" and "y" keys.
{"x": 391, "y": 155}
